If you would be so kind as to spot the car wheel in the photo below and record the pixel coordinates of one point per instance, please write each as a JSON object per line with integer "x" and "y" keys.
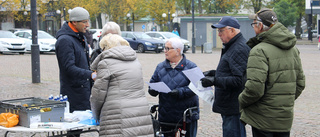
{"x": 95, "y": 44}
{"x": 140, "y": 48}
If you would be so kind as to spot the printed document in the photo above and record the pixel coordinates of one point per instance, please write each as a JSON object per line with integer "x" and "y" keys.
{"x": 159, "y": 86}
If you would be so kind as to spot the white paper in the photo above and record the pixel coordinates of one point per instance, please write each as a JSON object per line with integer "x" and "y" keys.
{"x": 206, "y": 94}
{"x": 194, "y": 75}
{"x": 159, "y": 86}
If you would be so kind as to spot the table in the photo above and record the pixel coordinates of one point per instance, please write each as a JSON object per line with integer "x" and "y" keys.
{"x": 74, "y": 127}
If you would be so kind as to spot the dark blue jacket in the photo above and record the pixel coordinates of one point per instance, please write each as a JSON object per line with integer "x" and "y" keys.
{"x": 75, "y": 75}
{"x": 230, "y": 76}
{"x": 170, "y": 108}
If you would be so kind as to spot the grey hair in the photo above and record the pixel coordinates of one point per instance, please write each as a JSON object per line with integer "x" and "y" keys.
{"x": 176, "y": 43}
{"x": 264, "y": 27}
{"x": 237, "y": 30}
{"x": 111, "y": 27}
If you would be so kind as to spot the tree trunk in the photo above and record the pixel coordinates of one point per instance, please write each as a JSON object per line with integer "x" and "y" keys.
{"x": 200, "y": 6}
{"x": 99, "y": 21}
{"x": 298, "y": 27}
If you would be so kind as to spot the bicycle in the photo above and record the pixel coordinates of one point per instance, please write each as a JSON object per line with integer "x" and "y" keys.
{"x": 179, "y": 130}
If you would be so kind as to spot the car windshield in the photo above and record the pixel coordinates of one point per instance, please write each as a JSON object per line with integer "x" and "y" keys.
{"x": 142, "y": 35}
{"x": 7, "y": 34}
{"x": 44, "y": 35}
{"x": 170, "y": 35}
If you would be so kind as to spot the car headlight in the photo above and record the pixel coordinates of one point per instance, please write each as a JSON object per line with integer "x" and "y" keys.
{"x": 4, "y": 43}
{"x": 44, "y": 43}
{"x": 148, "y": 43}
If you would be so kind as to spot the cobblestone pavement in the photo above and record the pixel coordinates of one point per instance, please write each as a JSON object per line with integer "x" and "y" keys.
{"x": 16, "y": 82}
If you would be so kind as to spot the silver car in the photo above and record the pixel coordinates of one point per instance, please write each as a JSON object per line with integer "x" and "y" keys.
{"x": 45, "y": 40}
{"x": 10, "y": 43}
{"x": 167, "y": 35}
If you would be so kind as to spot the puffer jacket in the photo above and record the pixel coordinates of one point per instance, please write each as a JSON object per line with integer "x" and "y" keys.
{"x": 230, "y": 76}
{"x": 118, "y": 99}
{"x": 75, "y": 75}
{"x": 171, "y": 108}
{"x": 275, "y": 80}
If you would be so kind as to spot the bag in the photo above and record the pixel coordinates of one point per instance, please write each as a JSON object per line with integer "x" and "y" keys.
{"x": 9, "y": 119}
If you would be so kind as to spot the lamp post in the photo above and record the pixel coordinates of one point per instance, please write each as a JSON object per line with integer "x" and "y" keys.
{"x": 310, "y": 23}
{"x": 129, "y": 15}
{"x": 25, "y": 13}
{"x": 164, "y": 15}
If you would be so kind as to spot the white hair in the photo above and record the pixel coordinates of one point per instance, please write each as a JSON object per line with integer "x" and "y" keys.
{"x": 110, "y": 27}
{"x": 264, "y": 27}
{"x": 176, "y": 43}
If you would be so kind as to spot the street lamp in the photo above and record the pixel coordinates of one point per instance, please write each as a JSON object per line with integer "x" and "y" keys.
{"x": 129, "y": 15}
{"x": 164, "y": 15}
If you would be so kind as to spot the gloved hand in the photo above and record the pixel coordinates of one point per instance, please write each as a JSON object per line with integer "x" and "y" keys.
{"x": 209, "y": 73}
{"x": 153, "y": 92}
{"x": 207, "y": 81}
{"x": 174, "y": 93}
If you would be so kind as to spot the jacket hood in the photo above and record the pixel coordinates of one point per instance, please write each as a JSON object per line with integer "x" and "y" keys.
{"x": 278, "y": 36}
{"x": 66, "y": 30}
{"x": 125, "y": 53}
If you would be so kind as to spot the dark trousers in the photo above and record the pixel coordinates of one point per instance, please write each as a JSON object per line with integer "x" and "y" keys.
{"x": 260, "y": 133}
{"x": 232, "y": 127}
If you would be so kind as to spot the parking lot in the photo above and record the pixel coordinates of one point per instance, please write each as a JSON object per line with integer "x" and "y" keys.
{"x": 16, "y": 82}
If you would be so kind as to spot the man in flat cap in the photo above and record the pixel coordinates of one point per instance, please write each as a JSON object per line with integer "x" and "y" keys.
{"x": 275, "y": 77}
{"x": 72, "y": 53}
{"x": 230, "y": 76}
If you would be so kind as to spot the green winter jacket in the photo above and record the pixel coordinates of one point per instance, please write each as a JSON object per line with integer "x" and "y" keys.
{"x": 274, "y": 80}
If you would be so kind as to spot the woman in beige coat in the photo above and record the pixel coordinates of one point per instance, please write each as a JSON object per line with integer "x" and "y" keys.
{"x": 117, "y": 97}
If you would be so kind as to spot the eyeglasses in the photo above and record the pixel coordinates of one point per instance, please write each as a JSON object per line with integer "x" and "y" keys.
{"x": 84, "y": 22}
{"x": 222, "y": 30}
{"x": 252, "y": 24}
{"x": 167, "y": 48}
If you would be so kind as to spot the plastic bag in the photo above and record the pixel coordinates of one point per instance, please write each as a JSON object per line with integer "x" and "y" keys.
{"x": 9, "y": 119}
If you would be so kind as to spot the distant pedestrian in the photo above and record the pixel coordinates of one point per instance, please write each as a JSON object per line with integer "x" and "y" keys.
{"x": 175, "y": 31}
{"x": 230, "y": 76}
{"x": 275, "y": 77}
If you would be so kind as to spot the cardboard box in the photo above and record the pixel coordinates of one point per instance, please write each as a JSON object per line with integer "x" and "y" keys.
{"x": 33, "y": 109}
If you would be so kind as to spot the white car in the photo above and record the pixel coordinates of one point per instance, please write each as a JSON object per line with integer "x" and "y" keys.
{"x": 45, "y": 40}
{"x": 167, "y": 35}
{"x": 96, "y": 33}
{"x": 11, "y": 43}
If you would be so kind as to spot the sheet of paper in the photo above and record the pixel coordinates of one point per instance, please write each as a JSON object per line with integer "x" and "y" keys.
{"x": 206, "y": 94}
{"x": 194, "y": 75}
{"x": 159, "y": 86}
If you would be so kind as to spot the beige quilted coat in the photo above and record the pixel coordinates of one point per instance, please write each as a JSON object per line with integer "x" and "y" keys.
{"x": 117, "y": 98}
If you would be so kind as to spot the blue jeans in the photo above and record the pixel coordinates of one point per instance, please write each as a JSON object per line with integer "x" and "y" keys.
{"x": 232, "y": 127}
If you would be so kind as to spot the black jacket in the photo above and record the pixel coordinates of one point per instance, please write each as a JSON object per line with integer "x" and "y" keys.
{"x": 230, "y": 76}
{"x": 72, "y": 54}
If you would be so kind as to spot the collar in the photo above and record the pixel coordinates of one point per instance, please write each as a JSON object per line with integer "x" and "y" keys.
{"x": 72, "y": 27}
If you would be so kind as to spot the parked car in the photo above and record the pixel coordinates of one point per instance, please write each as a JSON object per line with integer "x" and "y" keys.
{"x": 314, "y": 34}
{"x": 142, "y": 42}
{"x": 45, "y": 40}
{"x": 11, "y": 43}
{"x": 17, "y": 29}
{"x": 96, "y": 33}
{"x": 167, "y": 35}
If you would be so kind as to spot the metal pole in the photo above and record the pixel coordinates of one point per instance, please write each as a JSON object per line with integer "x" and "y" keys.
{"x": 132, "y": 21}
{"x": 169, "y": 28}
{"x": 35, "y": 53}
{"x": 193, "y": 39}
{"x": 310, "y": 23}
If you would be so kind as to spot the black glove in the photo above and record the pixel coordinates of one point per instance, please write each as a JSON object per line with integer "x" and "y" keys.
{"x": 174, "y": 93}
{"x": 153, "y": 92}
{"x": 209, "y": 73}
{"x": 207, "y": 81}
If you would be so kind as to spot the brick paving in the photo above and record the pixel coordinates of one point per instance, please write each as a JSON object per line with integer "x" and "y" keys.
{"x": 16, "y": 82}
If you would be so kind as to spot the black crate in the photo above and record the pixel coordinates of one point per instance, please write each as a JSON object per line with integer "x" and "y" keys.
{"x": 34, "y": 109}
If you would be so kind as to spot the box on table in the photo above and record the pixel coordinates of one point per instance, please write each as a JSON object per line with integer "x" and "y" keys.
{"x": 34, "y": 109}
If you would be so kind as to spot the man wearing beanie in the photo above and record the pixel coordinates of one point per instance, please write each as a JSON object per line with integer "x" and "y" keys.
{"x": 275, "y": 78}
{"x": 72, "y": 54}
{"x": 229, "y": 77}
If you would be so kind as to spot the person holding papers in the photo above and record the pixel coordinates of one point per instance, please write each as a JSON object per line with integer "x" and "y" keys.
{"x": 230, "y": 76}
{"x": 174, "y": 103}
